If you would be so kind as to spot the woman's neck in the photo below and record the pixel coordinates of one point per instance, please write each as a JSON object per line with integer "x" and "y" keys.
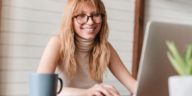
{"x": 84, "y": 45}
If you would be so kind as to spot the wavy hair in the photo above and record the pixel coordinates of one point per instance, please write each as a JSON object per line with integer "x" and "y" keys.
{"x": 100, "y": 54}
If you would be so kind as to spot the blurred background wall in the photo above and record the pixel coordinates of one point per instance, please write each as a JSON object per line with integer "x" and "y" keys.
{"x": 179, "y": 11}
{"x": 27, "y": 25}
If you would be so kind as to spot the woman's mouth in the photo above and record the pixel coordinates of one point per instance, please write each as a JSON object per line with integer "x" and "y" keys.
{"x": 88, "y": 29}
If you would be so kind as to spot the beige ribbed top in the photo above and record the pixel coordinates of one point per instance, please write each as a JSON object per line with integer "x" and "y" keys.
{"x": 82, "y": 78}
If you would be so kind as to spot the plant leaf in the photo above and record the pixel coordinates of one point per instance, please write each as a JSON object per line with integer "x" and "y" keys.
{"x": 175, "y": 64}
{"x": 175, "y": 54}
{"x": 188, "y": 53}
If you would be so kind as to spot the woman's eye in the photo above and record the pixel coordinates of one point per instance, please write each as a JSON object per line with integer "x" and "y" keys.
{"x": 81, "y": 16}
{"x": 96, "y": 15}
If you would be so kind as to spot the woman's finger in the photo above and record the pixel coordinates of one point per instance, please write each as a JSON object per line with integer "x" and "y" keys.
{"x": 103, "y": 90}
{"x": 113, "y": 92}
{"x": 97, "y": 93}
{"x": 112, "y": 89}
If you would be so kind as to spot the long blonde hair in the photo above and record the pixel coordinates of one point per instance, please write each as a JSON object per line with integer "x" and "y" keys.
{"x": 100, "y": 54}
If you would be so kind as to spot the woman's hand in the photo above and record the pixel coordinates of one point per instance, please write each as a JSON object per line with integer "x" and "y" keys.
{"x": 102, "y": 90}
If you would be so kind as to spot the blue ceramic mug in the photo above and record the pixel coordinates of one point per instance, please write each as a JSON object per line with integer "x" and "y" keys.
{"x": 41, "y": 84}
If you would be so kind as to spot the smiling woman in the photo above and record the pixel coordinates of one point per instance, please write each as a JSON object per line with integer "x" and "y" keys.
{"x": 82, "y": 52}
{"x": 28, "y": 24}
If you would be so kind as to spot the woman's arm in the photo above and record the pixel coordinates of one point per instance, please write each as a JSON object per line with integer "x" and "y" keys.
{"x": 50, "y": 56}
{"x": 48, "y": 63}
{"x": 96, "y": 90}
{"x": 120, "y": 72}
{"x": 72, "y": 92}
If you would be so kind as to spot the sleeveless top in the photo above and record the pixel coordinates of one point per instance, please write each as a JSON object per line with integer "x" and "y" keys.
{"x": 82, "y": 77}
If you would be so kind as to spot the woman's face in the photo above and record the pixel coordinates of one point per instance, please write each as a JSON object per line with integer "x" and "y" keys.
{"x": 87, "y": 23}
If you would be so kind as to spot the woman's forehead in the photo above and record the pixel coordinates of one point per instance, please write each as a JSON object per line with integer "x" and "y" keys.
{"x": 85, "y": 8}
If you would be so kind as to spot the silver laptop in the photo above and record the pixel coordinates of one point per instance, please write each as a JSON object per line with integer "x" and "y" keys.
{"x": 155, "y": 67}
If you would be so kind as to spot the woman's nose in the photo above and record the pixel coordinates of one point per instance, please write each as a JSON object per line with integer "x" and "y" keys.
{"x": 90, "y": 21}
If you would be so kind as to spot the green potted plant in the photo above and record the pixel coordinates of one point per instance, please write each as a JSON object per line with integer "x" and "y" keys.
{"x": 180, "y": 85}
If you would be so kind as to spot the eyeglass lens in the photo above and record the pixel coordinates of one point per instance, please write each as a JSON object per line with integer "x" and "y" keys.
{"x": 83, "y": 18}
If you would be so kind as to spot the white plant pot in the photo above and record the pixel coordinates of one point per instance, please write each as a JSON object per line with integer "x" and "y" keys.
{"x": 180, "y": 86}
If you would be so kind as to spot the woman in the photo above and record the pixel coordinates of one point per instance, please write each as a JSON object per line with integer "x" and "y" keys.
{"x": 82, "y": 53}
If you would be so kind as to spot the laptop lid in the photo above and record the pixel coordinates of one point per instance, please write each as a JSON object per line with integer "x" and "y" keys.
{"x": 155, "y": 67}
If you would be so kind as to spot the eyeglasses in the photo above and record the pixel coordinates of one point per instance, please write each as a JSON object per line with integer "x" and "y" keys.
{"x": 83, "y": 18}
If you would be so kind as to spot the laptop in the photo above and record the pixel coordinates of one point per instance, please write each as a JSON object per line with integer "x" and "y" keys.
{"x": 155, "y": 67}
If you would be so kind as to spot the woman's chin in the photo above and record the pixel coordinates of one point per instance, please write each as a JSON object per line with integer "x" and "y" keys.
{"x": 89, "y": 37}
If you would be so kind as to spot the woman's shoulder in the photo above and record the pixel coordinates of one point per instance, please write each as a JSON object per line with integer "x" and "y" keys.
{"x": 111, "y": 48}
{"x": 54, "y": 44}
{"x": 110, "y": 45}
{"x": 55, "y": 41}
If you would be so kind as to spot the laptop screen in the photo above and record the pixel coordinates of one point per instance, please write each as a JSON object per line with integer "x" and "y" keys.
{"x": 155, "y": 67}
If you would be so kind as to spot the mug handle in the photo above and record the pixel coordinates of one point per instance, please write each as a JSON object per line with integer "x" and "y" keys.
{"x": 61, "y": 85}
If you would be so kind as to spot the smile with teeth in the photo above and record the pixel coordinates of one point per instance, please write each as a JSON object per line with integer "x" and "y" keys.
{"x": 88, "y": 29}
